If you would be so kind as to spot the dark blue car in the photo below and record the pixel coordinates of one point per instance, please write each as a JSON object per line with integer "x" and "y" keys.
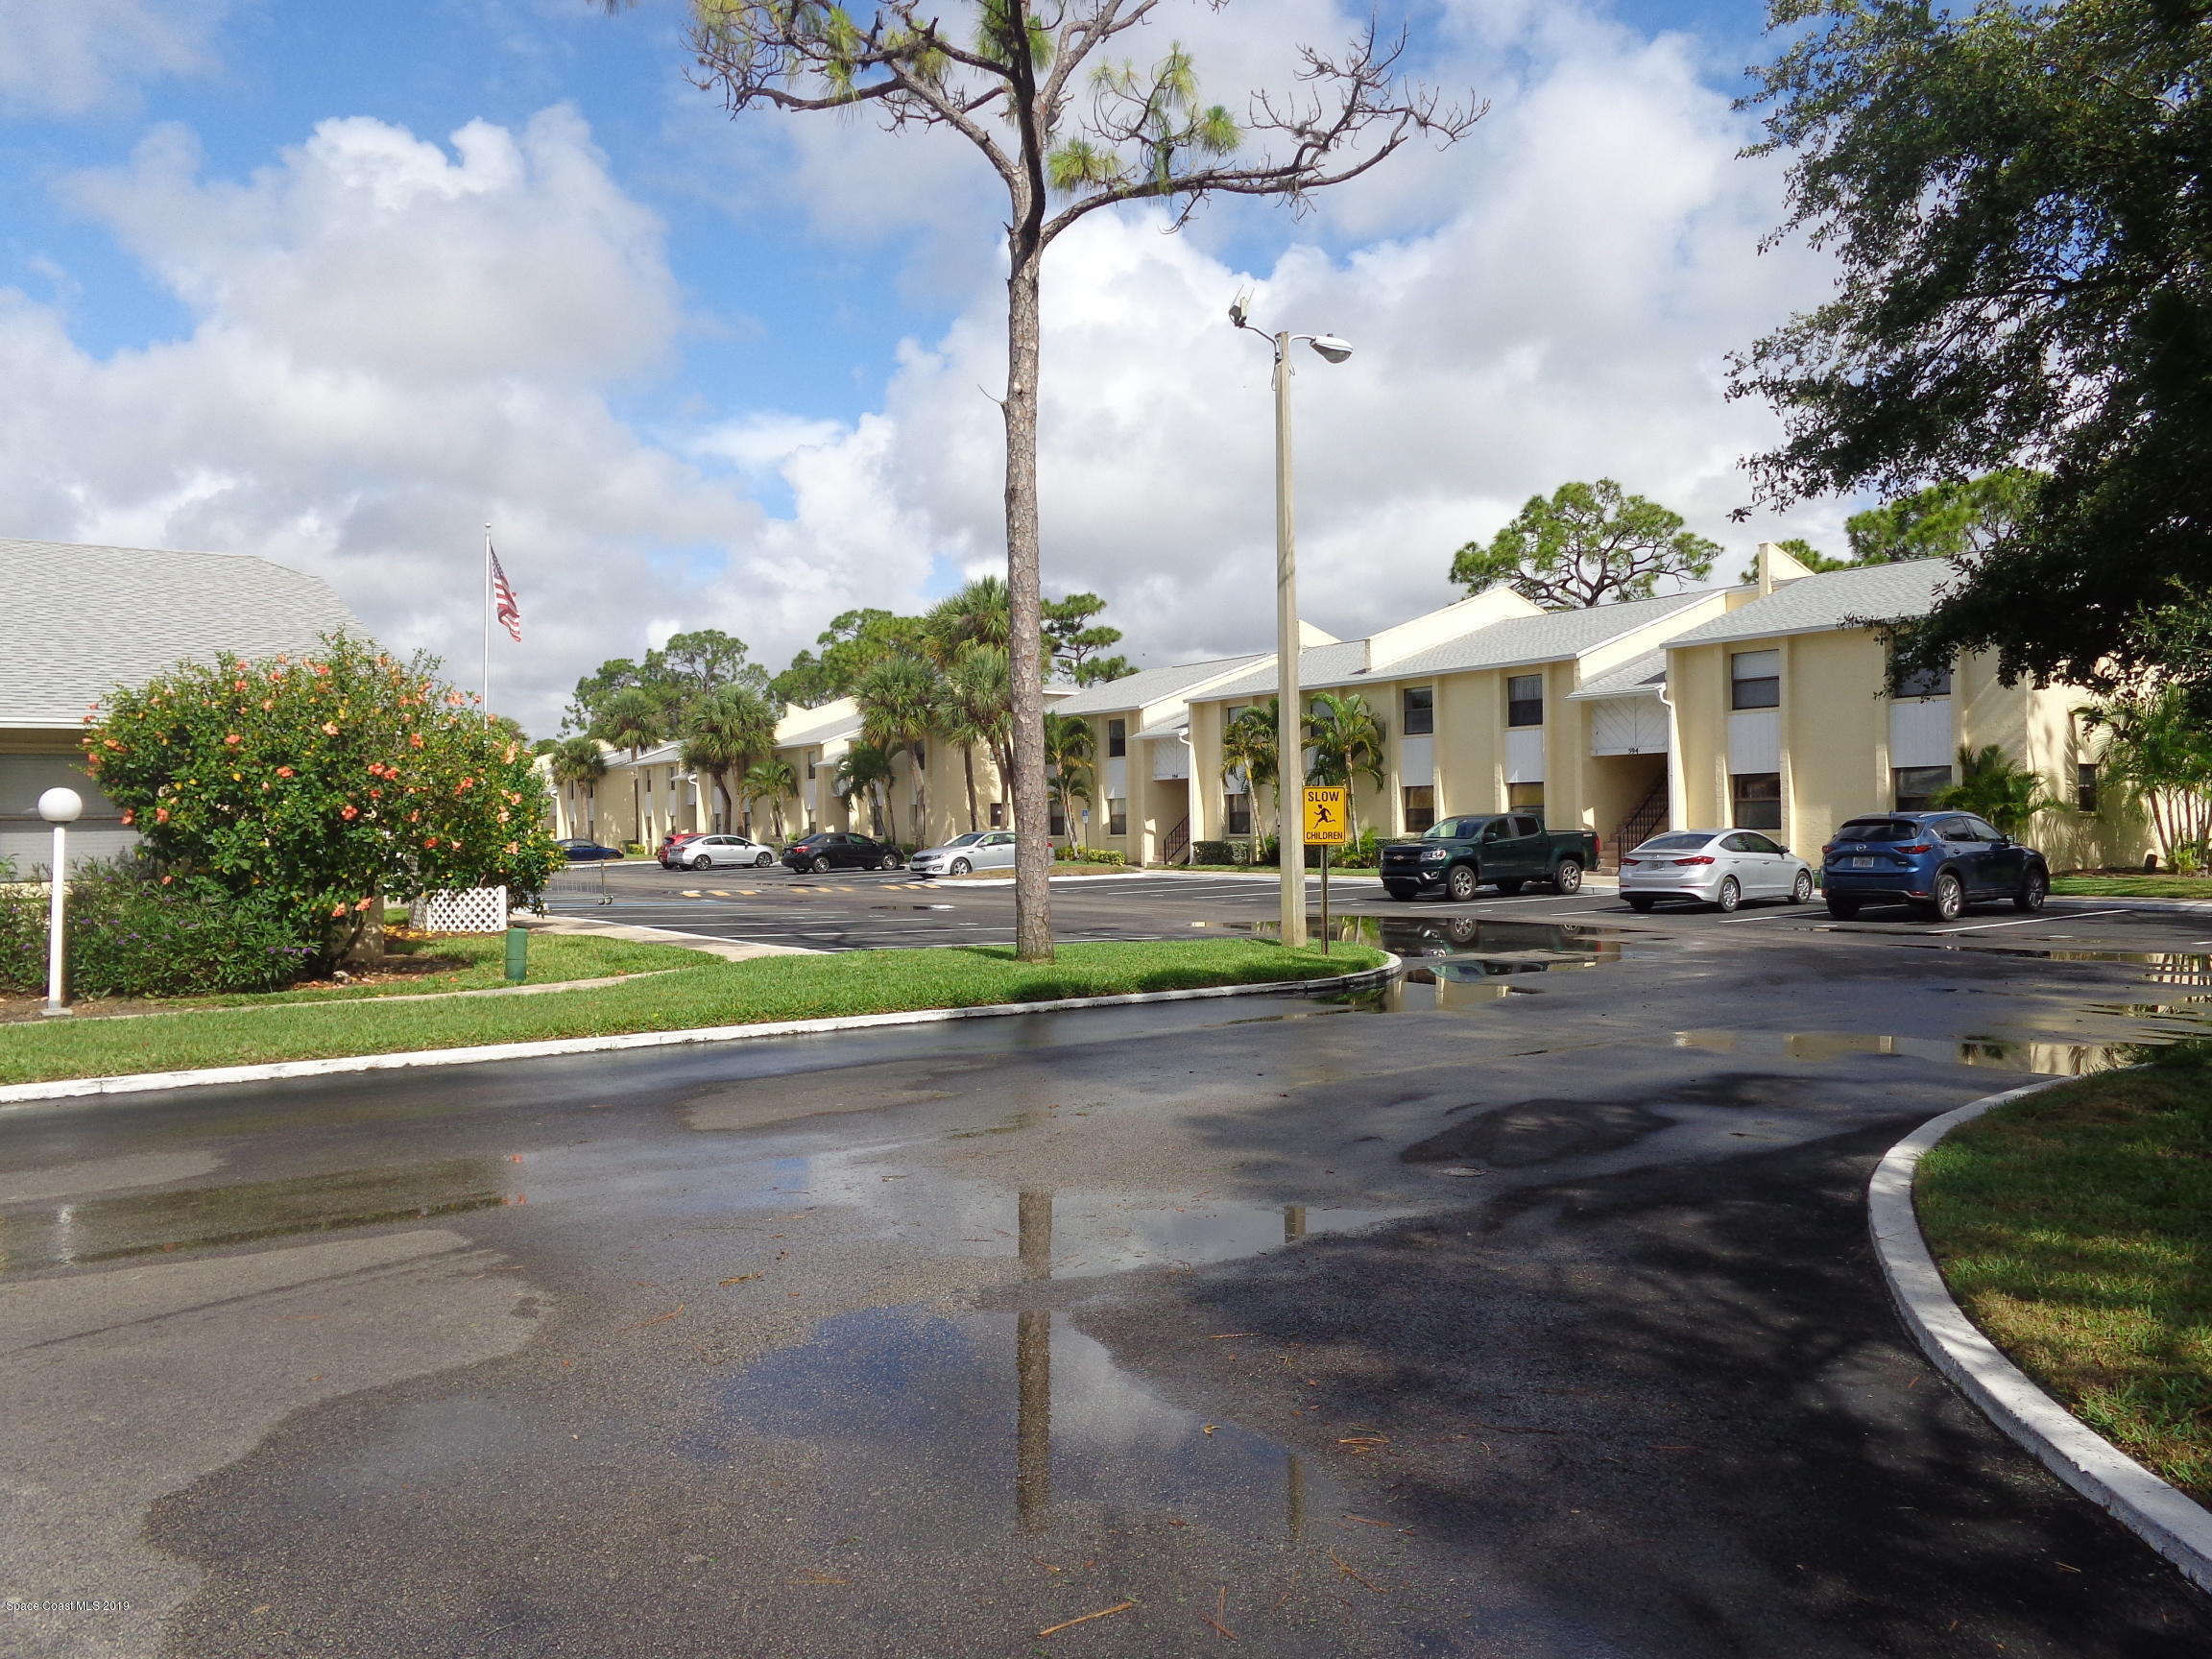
{"x": 1937, "y": 862}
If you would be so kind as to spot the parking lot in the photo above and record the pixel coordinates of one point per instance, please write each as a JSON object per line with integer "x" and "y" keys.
{"x": 852, "y": 910}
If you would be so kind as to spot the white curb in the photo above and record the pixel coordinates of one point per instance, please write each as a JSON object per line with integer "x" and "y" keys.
{"x": 2164, "y": 1517}
{"x": 75, "y": 1087}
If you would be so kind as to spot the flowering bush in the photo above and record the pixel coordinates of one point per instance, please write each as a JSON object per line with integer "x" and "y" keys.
{"x": 316, "y": 788}
{"x": 130, "y": 936}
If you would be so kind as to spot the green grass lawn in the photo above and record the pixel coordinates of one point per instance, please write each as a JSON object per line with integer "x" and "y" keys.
{"x": 479, "y": 962}
{"x": 712, "y": 992}
{"x": 2075, "y": 1228}
{"x": 2133, "y": 886}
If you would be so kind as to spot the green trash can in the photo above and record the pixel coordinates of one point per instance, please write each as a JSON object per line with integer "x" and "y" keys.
{"x": 517, "y": 954}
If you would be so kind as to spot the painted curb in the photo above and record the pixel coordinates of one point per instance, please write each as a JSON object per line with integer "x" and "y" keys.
{"x": 146, "y": 1082}
{"x": 2161, "y": 1516}
{"x": 2077, "y": 900}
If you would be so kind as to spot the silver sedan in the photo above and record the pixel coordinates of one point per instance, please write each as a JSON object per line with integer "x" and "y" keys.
{"x": 1723, "y": 867}
{"x": 977, "y": 849}
{"x": 705, "y": 852}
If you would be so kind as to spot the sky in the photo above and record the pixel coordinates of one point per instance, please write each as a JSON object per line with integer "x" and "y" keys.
{"x": 338, "y": 285}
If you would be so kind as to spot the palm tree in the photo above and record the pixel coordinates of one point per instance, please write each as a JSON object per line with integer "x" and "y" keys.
{"x": 1069, "y": 747}
{"x": 902, "y": 703}
{"x": 1248, "y": 747}
{"x": 1991, "y": 784}
{"x": 632, "y": 720}
{"x": 978, "y": 709}
{"x": 979, "y": 615}
{"x": 867, "y": 766}
{"x": 578, "y": 763}
{"x": 1347, "y": 741}
{"x": 2160, "y": 753}
{"x": 769, "y": 780}
{"x": 724, "y": 731}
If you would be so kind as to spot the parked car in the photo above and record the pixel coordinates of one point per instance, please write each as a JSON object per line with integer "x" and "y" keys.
{"x": 838, "y": 850}
{"x": 1506, "y": 850}
{"x": 1721, "y": 867}
{"x": 578, "y": 851}
{"x": 1937, "y": 862}
{"x": 705, "y": 852}
{"x": 669, "y": 843}
{"x": 977, "y": 849}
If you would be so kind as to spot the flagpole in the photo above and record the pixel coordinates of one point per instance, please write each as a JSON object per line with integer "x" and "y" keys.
{"x": 486, "y": 596}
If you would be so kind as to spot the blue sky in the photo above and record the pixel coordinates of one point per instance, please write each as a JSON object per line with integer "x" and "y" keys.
{"x": 750, "y": 398}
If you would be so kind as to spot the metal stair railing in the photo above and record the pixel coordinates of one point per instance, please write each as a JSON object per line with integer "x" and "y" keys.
{"x": 1639, "y": 826}
{"x": 1177, "y": 844}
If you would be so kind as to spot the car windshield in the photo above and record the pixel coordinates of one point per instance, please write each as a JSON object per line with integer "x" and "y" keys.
{"x": 1682, "y": 843}
{"x": 972, "y": 838}
{"x": 1444, "y": 830}
{"x": 1878, "y": 829}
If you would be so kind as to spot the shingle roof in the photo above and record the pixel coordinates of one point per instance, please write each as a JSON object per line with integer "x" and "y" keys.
{"x": 1517, "y": 640}
{"x": 75, "y": 622}
{"x": 1645, "y": 675}
{"x": 1832, "y": 599}
{"x": 1146, "y": 686}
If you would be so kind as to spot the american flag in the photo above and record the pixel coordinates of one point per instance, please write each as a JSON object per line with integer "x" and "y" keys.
{"x": 503, "y": 605}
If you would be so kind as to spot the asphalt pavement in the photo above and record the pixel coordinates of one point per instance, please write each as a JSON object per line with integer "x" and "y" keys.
{"x": 1521, "y": 1309}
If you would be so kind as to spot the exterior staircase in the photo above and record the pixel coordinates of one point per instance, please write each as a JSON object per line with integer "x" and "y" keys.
{"x": 1640, "y": 824}
{"x": 1175, "y": 846}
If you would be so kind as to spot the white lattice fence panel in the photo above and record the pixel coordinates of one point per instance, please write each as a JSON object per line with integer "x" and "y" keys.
{"x": 470, "y": 910}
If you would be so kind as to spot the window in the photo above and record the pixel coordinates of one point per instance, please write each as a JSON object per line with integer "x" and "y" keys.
{"x": 2085, "y": 788}
{"x": 1739, "y": 842}
{"x": 1239, "y": 815}
{"x": 999, "y": 817}
{"x": 1756, "y": 799}
{"x": 1926, "y": 683}
{"x": 1419, "y": 712}
{"x": 1117, "y": 817}
{"x": 1523, "y": 699}
{"x": 1059, "y": 818}
{"x": 1420, "y": 806}
{"x": 1523, "y": 828}
{"x": 1916, "y": 788}
{"x": 812, "y": 755}
{"x": 1760, "y": 844}
{"x": 1755, "y": 682}
{"x": 1116, "y": 736}
{"x": 1525, "y": 797}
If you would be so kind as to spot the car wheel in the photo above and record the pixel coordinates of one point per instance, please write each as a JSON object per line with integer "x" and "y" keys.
{"x": 1568, "y": 877}
{"x": 1401, "y": 889}
{"x": 961, "y": 866}
{"x": 701, "y": 862}
{"x": 1509, "y": 888}
{"x": 1731, "y": 894}
{"x": 2034, "y": 890}
{"x": 889, "y": 861}
{"x": 801, "y": 867}
{"x": 763, "y": 861}
{"x": 1641, "y": 902}
{"x": 1462, "y": 884}
{"x": 1841, "y": 908}
{"x": 1950, "y": 901}
{"x": 1802, "y": 891}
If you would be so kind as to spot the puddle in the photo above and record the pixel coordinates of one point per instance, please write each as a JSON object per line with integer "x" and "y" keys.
{"x": 107, "y": 1229}
{"x": 2050, "y": 1057}
{"x": 1009, "y": 1425}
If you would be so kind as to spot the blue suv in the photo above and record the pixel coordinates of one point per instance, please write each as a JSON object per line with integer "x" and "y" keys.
{"x": 1937, "y": 862}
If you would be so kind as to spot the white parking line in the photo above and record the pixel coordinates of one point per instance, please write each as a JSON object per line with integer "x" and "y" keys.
{"x": 1772, "y": 916}
{"x": 2027, "y": 921}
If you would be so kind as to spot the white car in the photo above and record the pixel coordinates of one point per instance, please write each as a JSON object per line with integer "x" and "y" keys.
{"x": 977, "y": 849}
{"x": 705, "y": 852}
{"x": 1721, "y": 867}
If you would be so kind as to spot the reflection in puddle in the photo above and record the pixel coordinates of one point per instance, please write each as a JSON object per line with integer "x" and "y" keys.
{"x": 2040, "y": 1057}
{"x": 200, "y": 1217}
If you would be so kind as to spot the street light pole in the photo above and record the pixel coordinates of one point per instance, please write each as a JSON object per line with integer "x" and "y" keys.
{"x": 1289, "y": 717}
{"x": 1289, "y": 726}
{"x": 59, "y": 808}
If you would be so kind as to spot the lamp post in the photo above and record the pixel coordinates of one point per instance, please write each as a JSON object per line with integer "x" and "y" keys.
{"x": 59, "y": 808}
{"x": 1289, "y": 719}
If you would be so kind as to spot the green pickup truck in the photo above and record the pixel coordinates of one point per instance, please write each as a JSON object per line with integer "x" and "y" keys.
{"x": 1506, "y": 850}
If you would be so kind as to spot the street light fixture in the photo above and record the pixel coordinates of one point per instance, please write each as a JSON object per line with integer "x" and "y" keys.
{"x": 59, "y": 808}
{"x": 1290, "y": 723}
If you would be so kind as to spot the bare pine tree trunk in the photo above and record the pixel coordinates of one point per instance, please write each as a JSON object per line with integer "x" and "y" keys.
{"x": 968, "y": 766}
{"x": 1032, "y": 853}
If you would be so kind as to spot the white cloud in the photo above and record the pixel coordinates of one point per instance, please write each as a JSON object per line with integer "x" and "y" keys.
{"x": 1586, "y": 259}
{"x": 68, "y": 57}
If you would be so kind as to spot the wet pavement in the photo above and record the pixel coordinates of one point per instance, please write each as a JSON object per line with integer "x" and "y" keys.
{"x": 1521, "y": 1309}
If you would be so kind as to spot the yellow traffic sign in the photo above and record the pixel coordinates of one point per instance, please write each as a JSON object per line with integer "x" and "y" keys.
{"x": 1325, "y": 816}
